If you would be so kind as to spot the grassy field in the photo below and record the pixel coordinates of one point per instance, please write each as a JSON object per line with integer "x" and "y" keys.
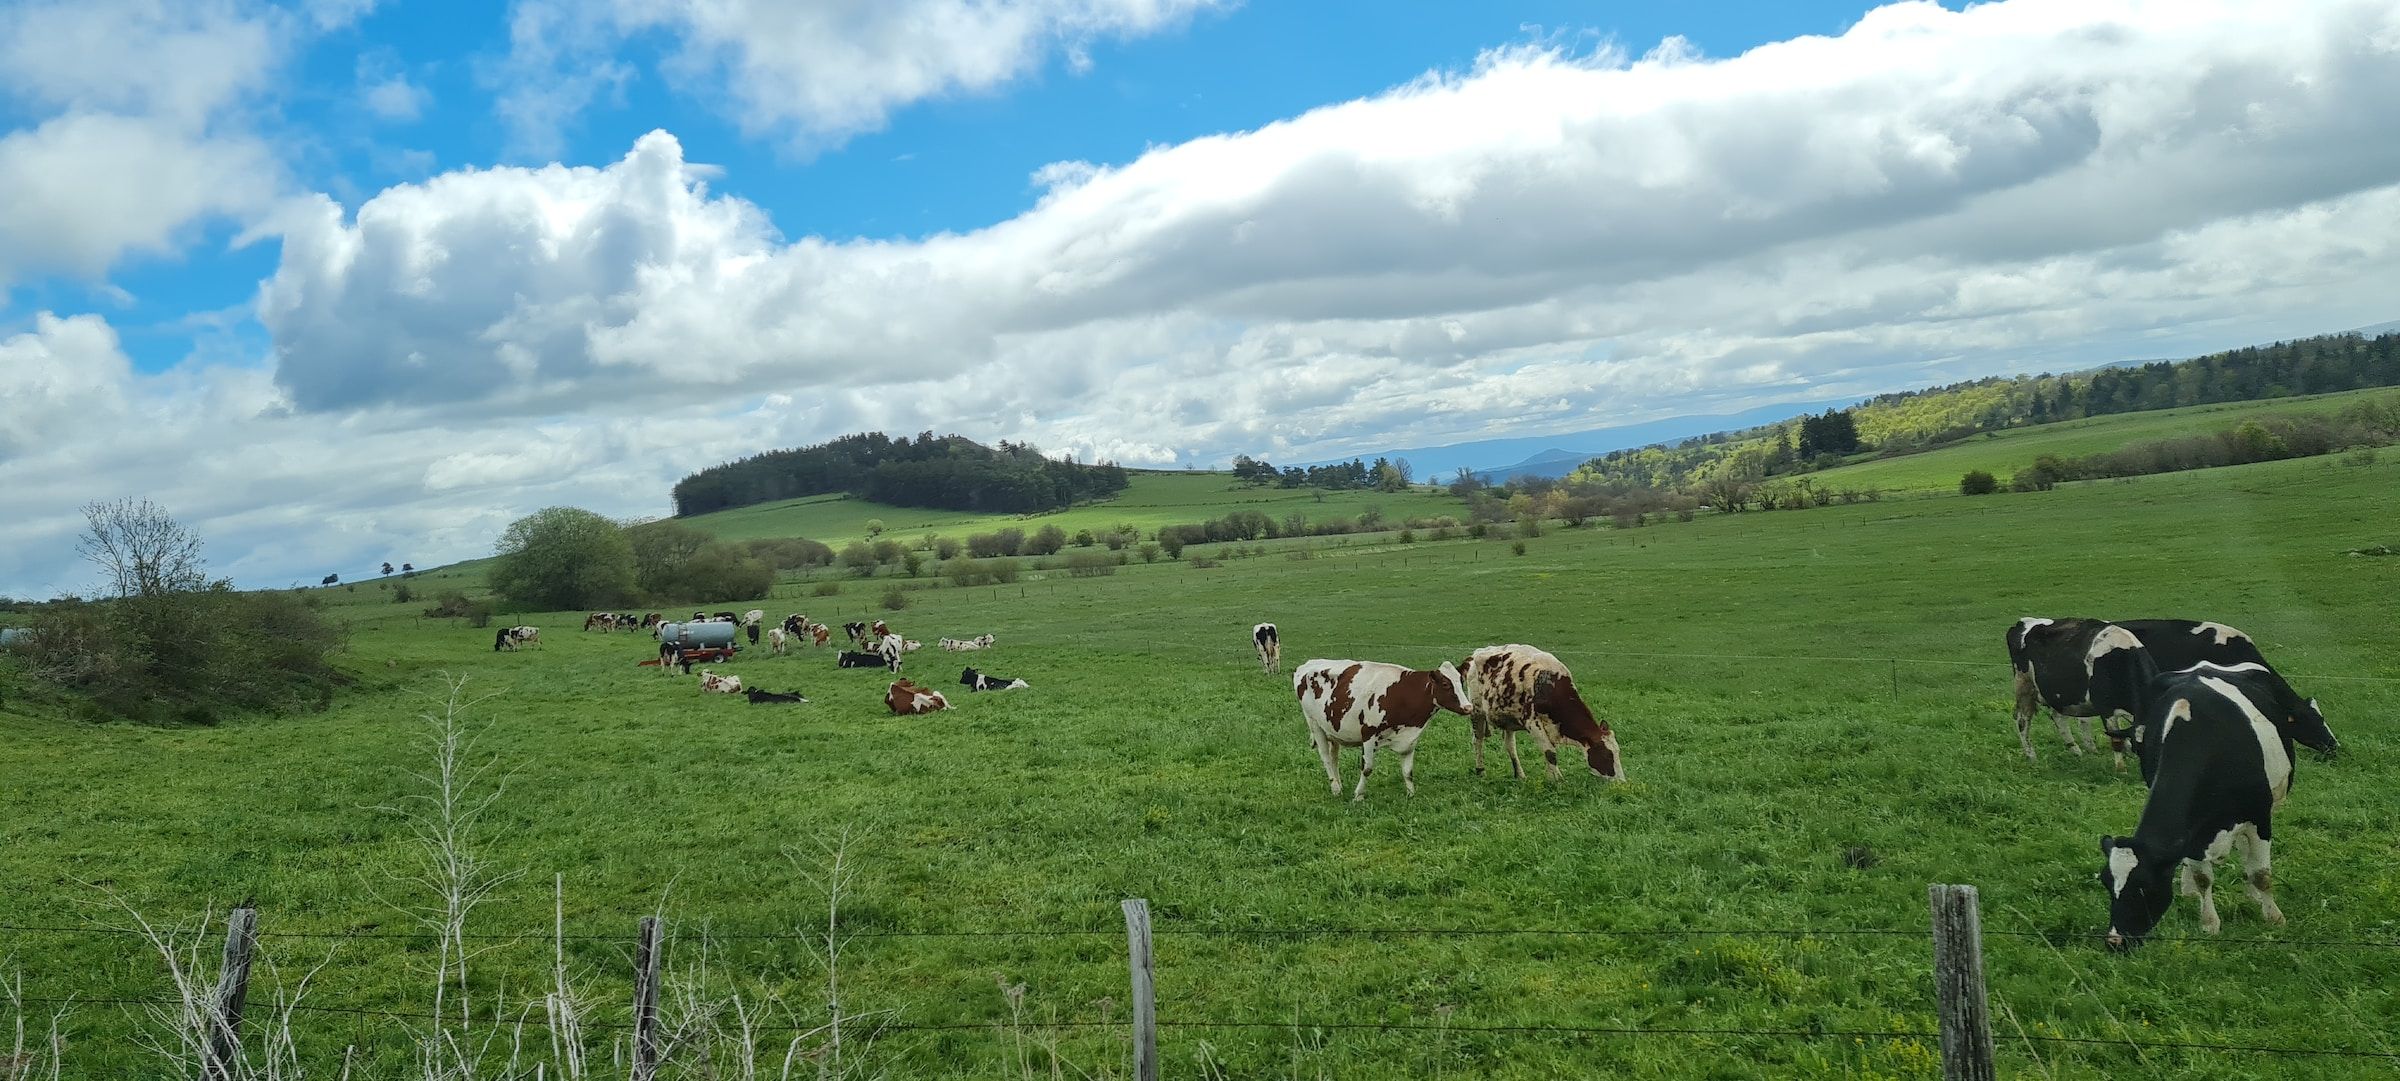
{"x": 1813, "y": 710}
{"x": 2003, "y": 453}
{"x": 1152, "y": 500}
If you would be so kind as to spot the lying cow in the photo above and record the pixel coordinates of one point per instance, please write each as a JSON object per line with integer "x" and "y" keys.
{"x": 2219, "y": 769}
{"x": 1270, "y": 647}
{"x": 977, "y": 681}
{"x": 907, "y": 699}
{"x": 759, "y": 698}
{"x": 1371, "y": 705}
{"x": 1518, "y": 688}
{"x": 851, "y": 658}
{"x": 710, "y": 681}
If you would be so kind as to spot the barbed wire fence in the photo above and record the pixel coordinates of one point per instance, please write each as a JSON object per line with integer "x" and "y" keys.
{"x": 1963, "y": 1031}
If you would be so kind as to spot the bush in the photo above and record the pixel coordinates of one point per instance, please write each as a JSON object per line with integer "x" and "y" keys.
{"x": 826, "y": 589}
{"x": 1171, "y": 541}
{"x": 1202, "y": 563}
{"x": 859, "y": 557}
{"x": 966, "y": 572}
{"x": 913, "y": 563}
{"x": 895, "y": 599}
{"x": 2360, "y": 458}
{"x": 1517, "y": 547}
{"x": 1441, "y": 533}
{"x": 1408, "y": 536}
{"x": 946, "y": 549}
{"x": 1090, "y": 564}
{"x": 402, "y": 594}
{"x": 888, "y": 551}
{"x": 1083, "y": 538}
{"x": 1478, "y": 530}
{"x": 1004, "y": 570}
{"x": 187, "y": 656}
{"x": 1978, "y": 482}
{"x": 1148, "y": 552}
{"x": 1046, "y": 541}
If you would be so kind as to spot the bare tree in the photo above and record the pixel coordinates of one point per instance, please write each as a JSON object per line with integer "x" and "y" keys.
{"x": 141, "y": 548}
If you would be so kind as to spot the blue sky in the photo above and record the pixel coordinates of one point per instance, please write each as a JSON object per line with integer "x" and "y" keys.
{"x": 346, "y": 280}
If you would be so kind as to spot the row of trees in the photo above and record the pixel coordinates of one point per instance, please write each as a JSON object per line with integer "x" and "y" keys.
{"x": 949, "y": 472}
{"x": 1916, "y": 420}
{"x": 1387, "y": 474}
{"x": 2361, "y": 425}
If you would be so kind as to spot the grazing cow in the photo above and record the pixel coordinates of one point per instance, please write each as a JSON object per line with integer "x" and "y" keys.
{"x": 752, "y": 631}
{"x": 2055, "y": 667}
{"x": 760, "y": 698}
{"x": 2220, "y": 767}
{"x": 1270, "y": 647}
{"x": 857, "y": 632}
{"x": 1522, "y": 689}
{"x": 504, "y": 640}
{"x": 821, "y": 634}
{"x": 977, "y": 681}
{"x": 600, "y": 620}
{"x": 2296, "y": 719}
{"x": 526, "y": 636}
{"x": 710, "y": 681}
{"x": 1372, "y": 705}
{"x": 653, "y": 620}
{"x": 904, "y": 698}
{"x": 775, "y": 640}
{"x": 850, "y": 658}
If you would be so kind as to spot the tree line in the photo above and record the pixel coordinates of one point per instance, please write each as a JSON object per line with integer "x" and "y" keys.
{"x": 1901, "y": 423}
{"x": 948, "y": 472}
{"x": 1386, "y": 475}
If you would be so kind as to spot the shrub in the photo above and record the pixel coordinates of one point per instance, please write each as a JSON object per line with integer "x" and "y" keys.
{"x": 888, "y": 551}
{"x": 1004, "y": 570}
{"x": 1685, "y": 514}
{"x": 859, "y": 557}
{"x": 1408, "y": 536}
{"x": 826, "y": 589}
{"x": 1978, "y": 482}
{"x": 1047, "y": 540}
{"x": 1149, "y": 552}
{"x": 1116, "y": 541}
{"x": 1090, "y": 564}
{"x": 966, "y": 572}
{"x": 1304, "y": 552}
{"x": 2360, "y": 458}
{"x": 1171, "y": 540}
{"x": 1517, "y": 547}
{"x": 402, "y": 594}
{"x": 1012, "y": 541}
{"x": 1441, "y": 533}
{"x": 1478, "y": 530}
{"x": 895, "y": 599}
{"x": 946, "y": 549}
{"x": 913, "y": 563}
{"x": 1083, "y": 538}
{"x": 1202, "y": 563}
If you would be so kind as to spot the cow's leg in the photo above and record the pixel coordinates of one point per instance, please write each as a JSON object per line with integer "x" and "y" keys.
{"x": 1516, "y": 766}
{"x": 2027, "y": 703}
{"x": 2199, "y": 880}
{"x": 2256, "y": 878}
{"x": 1332, "y": 758}
{"x": 1366, "y": 765}
{"x": 1408, "y": 768}
{"x": 1478, "y": 727}
{"x": 1541, "y": 738}
{"x": 2066, "y": 730}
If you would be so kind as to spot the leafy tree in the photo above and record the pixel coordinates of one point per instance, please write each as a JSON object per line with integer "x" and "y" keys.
{"x": 1978, "y": 482}
{"x": 562, "y": 559}
{"x": 660, "y": 552}
{"x": 874, "y": 527}
{"x": 1046, "y": 541}
{"x": 860, "y": 558}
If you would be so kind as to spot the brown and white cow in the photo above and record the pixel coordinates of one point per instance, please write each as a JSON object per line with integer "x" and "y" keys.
{"x": 710, "y": 681}
{"x": 820, "y": 634}
{"x": 1518, "y": 688}
{"x": 1372, "y": 706}
{"x": 907, "y": 699}
{"x": 776, "y": 639}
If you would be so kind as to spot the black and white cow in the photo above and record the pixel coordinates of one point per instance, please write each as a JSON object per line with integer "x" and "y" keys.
{"x": 760, "y": 698}
{"x": 2219, "y": 768}
{"x": 851, "y": 658}
{"x": 977, "y": 681}
{"x": 857, "y": 632}
{"x": 2296, "y": 719}
{"x": 2047, "y": 652}
{"x": 1270, "y": 647}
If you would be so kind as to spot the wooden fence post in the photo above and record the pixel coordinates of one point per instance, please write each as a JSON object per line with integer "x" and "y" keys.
{"x": 233, "y": 988}
{"x": 1958, "y": 984}
{"x": 1145, "y": 1005}
{"x": 645, "y": 1002}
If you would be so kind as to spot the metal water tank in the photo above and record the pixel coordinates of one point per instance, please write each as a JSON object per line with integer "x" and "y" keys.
{"x": 710, "y": 635}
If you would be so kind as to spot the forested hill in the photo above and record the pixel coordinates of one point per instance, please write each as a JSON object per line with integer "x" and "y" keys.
{"x": 1916, "y": 420}
{"x": 948, "y": 472}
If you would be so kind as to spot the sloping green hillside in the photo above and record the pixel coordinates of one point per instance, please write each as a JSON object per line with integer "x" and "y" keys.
{"x": 2003, "y": 453}
{"x": 1152, "y": 500}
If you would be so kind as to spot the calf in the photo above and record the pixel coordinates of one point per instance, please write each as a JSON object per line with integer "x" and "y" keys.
{"x": 850, "y": 658}
{"x": 1270, "y": 648}
{"x": 759, "y": 698}
{"x": 906, "y": 699}
{"x": 2219, "y": 769}
{"x": 1518, "y": 688}
{"x": 775, "y": 640}
{"x": 977, "y": 681}
{"x": 1371, "y": 705}
{"x": 710, "y": 681}
{"x": 821, "y": 634}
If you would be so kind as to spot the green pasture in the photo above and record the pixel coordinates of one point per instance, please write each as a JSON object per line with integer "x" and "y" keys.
{"x": 1813, "y": 707}
{"x": 2003, "y": 453}
{"x": 1150, "y": 501}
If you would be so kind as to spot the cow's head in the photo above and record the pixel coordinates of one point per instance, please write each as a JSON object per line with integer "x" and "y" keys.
{"x": 1450, "y": 689}
{"x": 967, "y": 678}
{"x": 2140, "y": 885}
{"x": 1554, "y": 697}
{"x": 2310, "y": 730}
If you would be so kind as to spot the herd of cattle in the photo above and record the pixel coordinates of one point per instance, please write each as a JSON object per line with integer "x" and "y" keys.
{"x": 2211, "y": 723}
{"x": 872, "y": 644}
